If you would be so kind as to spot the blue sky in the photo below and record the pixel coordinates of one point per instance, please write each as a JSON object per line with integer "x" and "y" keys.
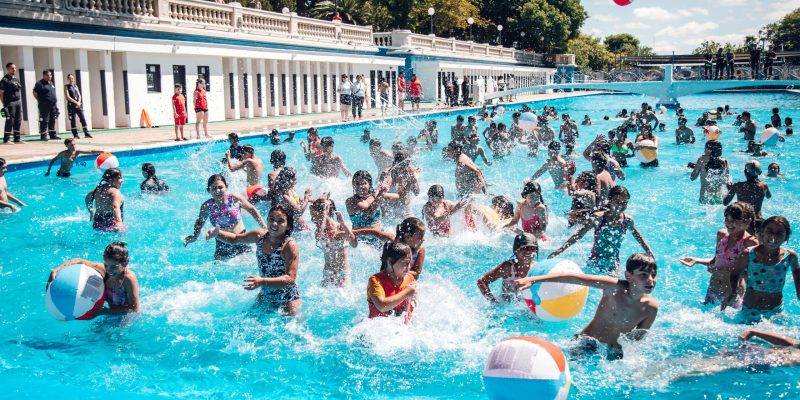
{"x": 681, "y": 25}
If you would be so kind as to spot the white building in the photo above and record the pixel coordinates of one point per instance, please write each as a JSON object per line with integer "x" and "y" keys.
{"x": 127, "y": 56}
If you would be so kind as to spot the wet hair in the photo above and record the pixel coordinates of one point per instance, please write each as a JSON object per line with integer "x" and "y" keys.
{"x": 501, "y": 126}
{"x": 460, "y": 118}
{"x": 682, "y": 120}
{"x": 780, "y": 220}
{"x": 640, "y": 261}
{"x": 286, "y": 175}
{"x": 149, "y": 170}
{"x": 436, "y": 191}
{"x": 554, "y": 145}
{"x": 117, "y": 251}
{"x": 283, "y": 209}
{"x": 714, "y": 148}
{"x": 214, "y": 178}
{"x": 619, "y": 191}
{"x": 471, "y": 118}
{"x": 774, "y": 166}
{"x": 375, "y": 142}
{"x": 493, "y": 125}
{"x": 532, "y": 187}
{"x": 790, "y": 131}
{"x": 327, "y": 141}
{"x": 505, "y": 206}
{"x": 233, "y": 135}
{"x": 318, "y": 205}
{"x": 516, "y": 114}
{"x": 740, "y": 211}
{"x": 589, "y": 179}
{"x": 363, "y": 175}
{"x": 775, "y": 110}
{"x": 525, "y": 240}
{"x": 598, "y": 159}
{"x": 277, "y": 158}
{"x": 69, "y": 141}
{"x": 108, "y": 176}
{"x": 408, "y": 227}
{"x": 392, "y": 252}
{"x": 455, "y": 147}
{"x": 312, "y": 131}
{"x": 249, "y": 149}
{"x": 746, "y": 114}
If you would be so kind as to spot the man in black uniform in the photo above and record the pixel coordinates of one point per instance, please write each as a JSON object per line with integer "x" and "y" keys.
{"x": 769, "y": 58}
{"x": 755, "y": 55}
{"x": 45, "y": 94}
{"x": 10, "y": 92}
{"x": 729, "y": 57}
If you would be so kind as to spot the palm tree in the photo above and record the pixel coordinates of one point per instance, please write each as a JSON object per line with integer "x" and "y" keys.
{"x": 351, "y": 11}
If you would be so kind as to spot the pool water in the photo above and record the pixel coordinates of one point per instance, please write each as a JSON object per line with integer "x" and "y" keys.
{"x": 197, "y": 335}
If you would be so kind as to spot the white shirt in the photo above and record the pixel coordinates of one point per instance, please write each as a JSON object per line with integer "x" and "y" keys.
{"x": 344, "y": 87}
{"x": 359, "y": 89}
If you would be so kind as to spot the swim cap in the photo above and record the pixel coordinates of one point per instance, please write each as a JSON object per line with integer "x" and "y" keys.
{"x": 753, "y": 167}
{"x": 524, "y": 239}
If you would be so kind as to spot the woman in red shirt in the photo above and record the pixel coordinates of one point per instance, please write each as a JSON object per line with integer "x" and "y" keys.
{"x": 391, "y": 291}
{"x": 401, "y": 88}
{"x": 414, "y": 91}
{"x": 201, "y": 107}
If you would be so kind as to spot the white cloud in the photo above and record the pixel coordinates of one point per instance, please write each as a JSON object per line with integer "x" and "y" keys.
{"x": 635, "y": 25}
{"x": 656, "y": 13}
{"x": 731, "y": 3}
{"x": 604, "y": 18}
{"x": 778, "y": 9}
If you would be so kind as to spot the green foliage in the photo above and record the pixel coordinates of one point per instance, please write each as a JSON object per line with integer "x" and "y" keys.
{"x": 590, "y": 54}
{"x": 709, "y": 46}
{"x": 786, "y": 32}
{"x": 351, "y": 11}
{"x": 450, "y": 16}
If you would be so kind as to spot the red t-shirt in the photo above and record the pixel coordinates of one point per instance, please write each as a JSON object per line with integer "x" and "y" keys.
{"x": 178, "y": 103}
{"x": 381, "y": 285}
{"x": 200, "y": 99}
{"x": 401, "y": 85}
{"x": 415, "y": 88}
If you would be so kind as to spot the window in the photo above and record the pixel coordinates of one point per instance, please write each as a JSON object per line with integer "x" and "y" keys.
{"x": 294, "y": 89}
{"x": 283, "y": 90}
{"x": 316, "y": 89}
{"x": 231, "y": 92}
{"x": 153, "y": 78}
{"x": 259, "y": 90}
{"x": 305, "y": 88}
{"x": 103, "y": 91}
{"x": 203, "y": 72}
{"x": 324, "y": 88}
{"x": 125, "y": 92}
{"x": 272, "y": 90}
{"x": 246, "y": 85}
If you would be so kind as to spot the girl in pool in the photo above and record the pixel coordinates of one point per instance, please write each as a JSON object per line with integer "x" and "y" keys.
{"x": 531, "y": 211}
{"x": 404, "y": 186}
{"x": 469, "y": 178}
{"x": 731, "y": 242}
{"x": 410, "y": 232}
{"x": 278, "y": 258}
{"x": 121, "y": 287}
{"x": 314, "y": 148}
{"x": 713, "y": 172}
{"x": 525, "y": 249}
{"x": 364, "y": 205}
{"x": 105, "y": 203}
{"x": 764, "y": 269}
{"x": 278, "y": 160}
{"x": 646, "y": 133}
{"x": 610, "y": 226}
{"x": 437, "y": 211}
{"x": 332, "y": 238}
{"x": 224, "y": 210}
{"x": 498, "y": 215}
{"x": 5, "y": 196}
{"x": 584, "y": 198}
{"x": 152, "y": 183}
{"x": 283, "y": 193}
{"x": 430, "y": 134}
{"x": 391, "y": 291}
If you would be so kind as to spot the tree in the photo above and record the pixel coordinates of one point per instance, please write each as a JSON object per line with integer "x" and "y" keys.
{"x": 785, "y": 33}
{"x": 709, "y": 46}
{"x": 590, "y": 54}
{"x": 547, "y": 27}
{"x": 450, "y": 16}
{"x": 351, "y": 11}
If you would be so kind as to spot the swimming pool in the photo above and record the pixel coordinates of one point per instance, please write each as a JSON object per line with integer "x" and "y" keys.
{"x": 196, "y": 336}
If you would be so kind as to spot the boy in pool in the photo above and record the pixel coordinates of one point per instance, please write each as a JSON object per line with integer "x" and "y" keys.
{"x": 5, "y": 196}
{"x": 774, "y": 171}
{"x": 525, "y": 249}
{"x": 751, "y": 191}
{"x": 555, "y": 165}
{"x": 251, "y": 164}
{"x": 67, "y": 158}
{"x": 236, "y": 148}
{"x": 626, "y": 308}
{"x": 328, "y": 165}
{"x": 684, "y": 134}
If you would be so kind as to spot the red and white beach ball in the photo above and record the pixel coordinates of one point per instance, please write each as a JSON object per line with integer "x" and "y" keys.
{"x": 526, "y": 367}
{"x": 75, "y": 292}
{"x": 106, "y": 161}
{"x": 623, "y": 2}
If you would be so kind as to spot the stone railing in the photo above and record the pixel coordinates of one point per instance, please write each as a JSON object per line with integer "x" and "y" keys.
{"x": 565, "y": 59}
{"x": 180, "y": 15}
{"x": 406, "y": 40}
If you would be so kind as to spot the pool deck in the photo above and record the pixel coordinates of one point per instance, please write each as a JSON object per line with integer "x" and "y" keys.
{"x": 33, "y": 150}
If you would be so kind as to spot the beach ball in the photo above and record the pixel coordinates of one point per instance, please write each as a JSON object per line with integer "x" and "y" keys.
{"x": 623, "y": 2}
{"x": 105, "y": 161}
{"x": 501, "y": 110}
{"x": 770, "y": 137}
{"x": 256, "y": 190}
{"x": 646, "y": 155}
{"x": 76, "y": 291}
{"x": 555, "y": 301}
{"x": 663, "y": 109}
{"x": 712, "y": 132}
{"x": 526, "y": 367}
{"x": 528, "y": 121}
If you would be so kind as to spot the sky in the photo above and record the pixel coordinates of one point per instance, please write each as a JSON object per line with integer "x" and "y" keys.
{"x": 681, "y": 25}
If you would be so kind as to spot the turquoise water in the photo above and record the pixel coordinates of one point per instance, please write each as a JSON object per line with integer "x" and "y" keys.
{"x": 196, "y": 336}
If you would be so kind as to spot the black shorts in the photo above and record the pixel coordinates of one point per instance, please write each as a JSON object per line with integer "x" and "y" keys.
{"x": 63, "y": 174}
{"x": 344, "y": 99}
{"x": 414, "y": 99}
{"x": 197, "y": 110}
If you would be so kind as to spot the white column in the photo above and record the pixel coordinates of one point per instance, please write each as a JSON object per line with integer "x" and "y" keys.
{"x": 273, "y": 69}
{"x": 247, "y": 68}
{"x": 108, "y": 66}
{"x": 297, "y": 76}
{"x": 287, "y": 81}
{"x": 328, "y": 83}
{"x": 232, "y": 110}
{"x": 309, "y": 86}
{"x": 262, "y": 69}
{"x": 318, "y": 83}
{"x": 54, "y": 54}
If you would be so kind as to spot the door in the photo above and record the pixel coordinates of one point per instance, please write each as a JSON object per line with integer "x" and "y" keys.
{"x": 179, "y": 77}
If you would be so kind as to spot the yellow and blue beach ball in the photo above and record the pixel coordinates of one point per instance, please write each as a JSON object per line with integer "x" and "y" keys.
{"x": 528, "y": 121}
{"x": 75, "y": 292}
{"x": 646, "y": 155}
{"x": 555, "y": 301}
{"x": 526, "y": 367}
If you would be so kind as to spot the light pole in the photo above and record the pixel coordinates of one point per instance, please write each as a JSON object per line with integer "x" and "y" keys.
{"x": 431, "y": 11}
{"x": 470, "y": 21}
{"x": 522, "y": 41}
{"x": 285, "y": 10}
{"x": 500, "y": 35}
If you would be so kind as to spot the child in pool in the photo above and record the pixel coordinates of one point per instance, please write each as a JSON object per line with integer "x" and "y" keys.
{"x": 121, "y": 286}
{"x": 252, "y": 165}
{"x": 383, "y": 159}
{"x": 313, "y": 150}
{"x": 684, "y": 134}
{"x": 284, "y": 193}
{"x": 713, "y": 172}
{"x": 469, "y": 178}
{"x": 328, "y": 164}
{"x": 430, "y": 134}
{"x": 751, "y": 191}
{"x": 403, "y": 187}
{"x": 555, "y": 165}
{"x": 437, "y": 211}
{"x": 410, "y": 232}
{"x": 774, "y": 171}
{"x": 278, "y": 259}
{"x": 106, "y": 203}
{"x": 473, "y": 149}
{"x": 363, "y": 206}
{"x": 152, "y": 183}
{"x": 584, "y": 198}
{"x": 731, "y": 242}
{"x": 5, "y": 196}
{"x": 67, "y": 158}
{"x": 366, "y": 136}
{"x": 626, "y": 308}
{"x": 332, "y": 238}
{"x": 610, "y": 226}
{"x": 764, "y": 269}
{"x": 531, "y": 211}
{"x": 391, "y": 291}
{"x": 525, "y": 250}
{"x": 225, "y": 212}
{"x": 586, "y": 120}
{"x": 235, "y": 148}
{"x": 498, "y": 215}
{"x": 278, "y": 160}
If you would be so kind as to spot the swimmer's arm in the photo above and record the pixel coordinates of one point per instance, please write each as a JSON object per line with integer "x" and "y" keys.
{"x": 792, "y": 259}
{"x": 574, "y": 238}
{"x": 383, "y": 236}
{"x": 639, "y": 238}
{"x": 95, "y": 151}
{"x": 231, "y": 166}
{"x": 769, "y": 337}
{"x": 250, "y": 209}
{"x": 483, "y": 156}
{"x": 738, "y": 270}
{"x": 198, "y": 225}
{"x": 596, "y": 281}
{"x": 89, "y": 201}
{"x": 385, "y": 304}
{"x": 236, "y": 238}
{"x": 344, "y": 169}
{"x": 116, "y": 203}
{"x": 540, "y": 171}
{"x": 731, "y": 193}
{"x": 9, "y": 205}
{"x": 494, "y": 274}
{"x": 345, "y": 232}
{"x": 57, "y": 157}
{"x": 417, "y": 270}
{"x": 541, "y": 212}
{"x": 96, "y": 266}
{"x": 697, "y": 166}
{"x": 767, "y": 193}
{"x": 512, "y": 223}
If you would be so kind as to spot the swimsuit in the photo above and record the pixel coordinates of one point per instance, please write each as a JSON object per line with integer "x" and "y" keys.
{"x": 441, "y": 228}
{"x": 272, "y": 265}
{"x": 106, "y": 221}
{"x": 509, "y": 294}
{"x": 725, "y": 259}
{"x": 380, "y": 285}
{"x": 61, "y": 174}
{"x": 607, "y": 242}
{"x": 226, "y": 215}
{"x": 333, "y": 276}
{"x": 765, "y": 279}
{"x": 532, "y": 225}
{"x": 361, "y": 220}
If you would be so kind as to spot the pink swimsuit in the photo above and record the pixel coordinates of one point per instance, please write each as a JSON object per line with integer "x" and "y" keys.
{"x": 725, "y": 259}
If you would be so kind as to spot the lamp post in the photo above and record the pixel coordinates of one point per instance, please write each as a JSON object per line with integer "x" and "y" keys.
{"x": 500, "y": 35}
{"x": 285, "y": 10}
{"x": 431, "y": 11}
{"x": 522, "y": 40}
{"x": 470, "y": 21}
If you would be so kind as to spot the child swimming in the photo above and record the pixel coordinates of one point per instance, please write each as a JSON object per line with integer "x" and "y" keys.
{"x": 437, "y": 211}
{"x": 498, "y": 214}
{"x": 610, "y": 226}
{"x": 751, "y": 191}
{"x": 121, "y": 286}
{"x": 626, "y": 308}
{"x": 391, "y": 291}
{"x": 410, "y": 232}
{"x": 469, "y": 178}
{"x": 332, "y": 238}
{"x": 363, "y": 206}
{"x": 382, "y": 158}
{"x": 713, "y": 172}
{"x": 731, "y": 243}
{"x": 584, "y": 198}
{"x": 152, "y": 183}
{"x": 555, "y": 165}
{"x": 517, "y": 267}
{"x": 67, "y": 158}
{"x": 278, "y": 161}
{"x": 531, "y": 211}
{"x": 278, "y": 258}
{"x": 5, "y": 196}
{"x": 764, "y": 268}
{"x": 252, "y": 165}
{"x": 328, "y": 164}
{"x": 284, "y": 193}
{"x": 105, "y": 203}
